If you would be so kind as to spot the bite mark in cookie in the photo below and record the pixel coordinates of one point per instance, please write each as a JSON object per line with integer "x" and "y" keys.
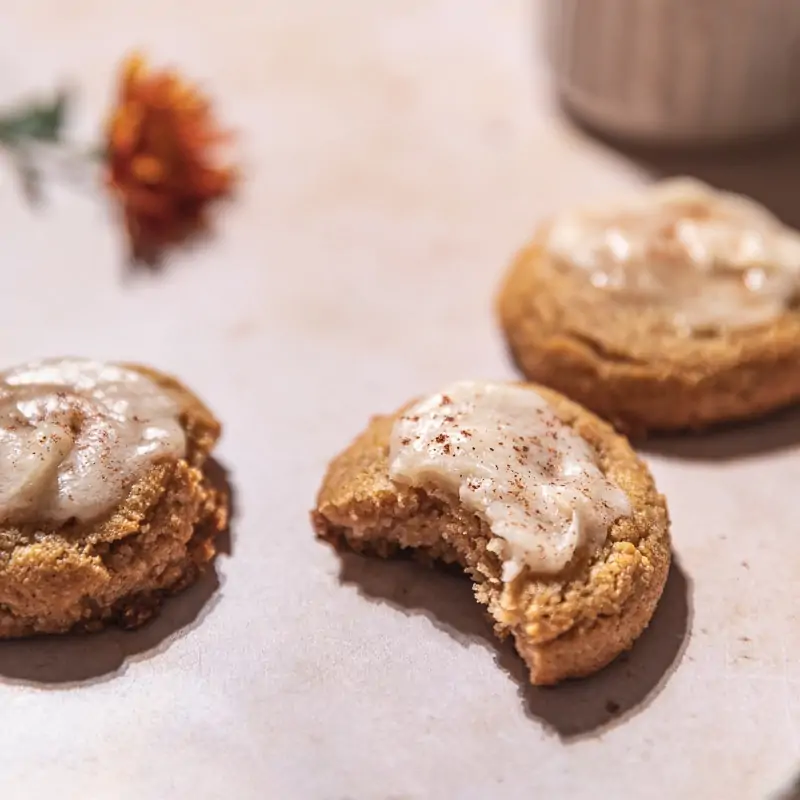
{"x": 552, "y": 515}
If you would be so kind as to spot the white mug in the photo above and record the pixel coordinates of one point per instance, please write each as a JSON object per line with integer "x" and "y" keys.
{"x": 677, "y": 70}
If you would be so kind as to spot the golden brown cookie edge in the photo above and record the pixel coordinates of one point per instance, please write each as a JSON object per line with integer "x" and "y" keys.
{"x": 692, "y": 388}
{"x": 357, "y": 472}
{"x": 158, "y": 503}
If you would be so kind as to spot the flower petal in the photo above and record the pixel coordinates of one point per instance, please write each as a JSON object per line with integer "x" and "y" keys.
{"x": 162, "y": 164}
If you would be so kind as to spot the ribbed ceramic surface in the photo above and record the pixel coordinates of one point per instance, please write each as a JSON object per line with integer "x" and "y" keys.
{"x": 687, "y": 69}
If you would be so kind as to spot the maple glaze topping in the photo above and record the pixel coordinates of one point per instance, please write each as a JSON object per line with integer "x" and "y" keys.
{"x": 708, "y": 260}
{"x": 76, "y": 434}
{"x": 510, "y": 459}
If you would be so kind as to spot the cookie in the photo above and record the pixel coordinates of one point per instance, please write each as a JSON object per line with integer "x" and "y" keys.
{"x": 673, "y": 309}
{"x": 105, "y": 502}
{"x": 545, "y": 507}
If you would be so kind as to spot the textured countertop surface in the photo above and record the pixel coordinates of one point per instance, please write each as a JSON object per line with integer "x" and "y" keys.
{"x": 396, "y": 155}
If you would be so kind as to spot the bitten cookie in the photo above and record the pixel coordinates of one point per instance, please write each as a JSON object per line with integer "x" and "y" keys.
{"x": 547, "y": 509}
{"x": 674, "y": 309}
{"x": 105, "y": 506}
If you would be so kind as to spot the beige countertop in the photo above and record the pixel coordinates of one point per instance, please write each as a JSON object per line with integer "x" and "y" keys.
{"x": 397, "y": 153}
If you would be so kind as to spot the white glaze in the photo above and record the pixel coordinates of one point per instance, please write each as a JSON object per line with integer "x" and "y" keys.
{"x": 510, "y": 459}
{"x": 75, "y": 434}
{"x": 710, "y": 260}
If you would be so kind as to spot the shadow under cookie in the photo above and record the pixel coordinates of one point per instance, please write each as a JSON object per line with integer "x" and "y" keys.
{"x": 70, "y": 659}
{"x": 78, "y": 658}
{"x": 778, "y": 432}
{"x": 574, "y": 709}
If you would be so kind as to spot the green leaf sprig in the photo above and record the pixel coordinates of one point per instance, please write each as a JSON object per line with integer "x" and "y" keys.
{"x": 34, "y": 122}
{"x": 38, "y": 121}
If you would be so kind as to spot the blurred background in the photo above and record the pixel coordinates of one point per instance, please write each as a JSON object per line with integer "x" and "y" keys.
{"x": 701, "y": 87}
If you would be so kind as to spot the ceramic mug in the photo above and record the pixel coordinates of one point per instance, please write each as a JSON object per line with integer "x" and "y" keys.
{"x": 677, "y": 70}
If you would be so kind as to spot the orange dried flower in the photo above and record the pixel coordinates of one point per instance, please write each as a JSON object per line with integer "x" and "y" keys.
{"x": 161, "y": 160}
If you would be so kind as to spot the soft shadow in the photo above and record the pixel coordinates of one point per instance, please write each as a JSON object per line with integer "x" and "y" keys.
{"x": 765, "y": 168}
{"x": 789, "y": 792}
{"x": 574, "y": 709}
{"x": 81, "y": 659}
{"x": 73, "y": 660}
{"x": 773, "y": 434}
{"x": 577, "y": 709}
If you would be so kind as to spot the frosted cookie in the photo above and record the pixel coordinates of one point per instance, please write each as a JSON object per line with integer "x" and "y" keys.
{"x": 673, "y": 309}
{"x": 546, "y": 508}
{"x": 104, "y": 503}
